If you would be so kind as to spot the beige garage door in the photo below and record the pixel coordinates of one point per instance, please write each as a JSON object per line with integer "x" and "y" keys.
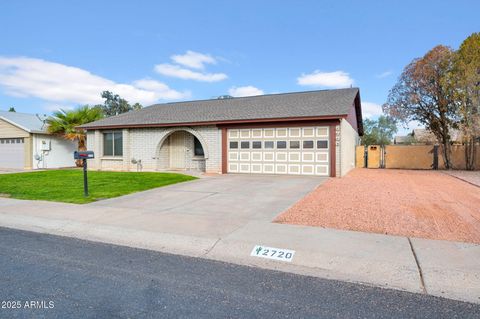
{"x": 295, "y": 151}
{"x": 12, "y": 152}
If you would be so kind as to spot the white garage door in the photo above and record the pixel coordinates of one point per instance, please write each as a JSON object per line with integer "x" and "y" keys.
{"x": 296, "y": 151}
{"x": 12, "y": 153}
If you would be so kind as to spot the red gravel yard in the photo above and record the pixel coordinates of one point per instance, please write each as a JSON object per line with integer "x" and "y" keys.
{"x": 426, "y": 204}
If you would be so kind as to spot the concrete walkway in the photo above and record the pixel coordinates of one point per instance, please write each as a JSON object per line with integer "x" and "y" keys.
{"x": 223, "y": 217}
{"x": 471, "y": 177}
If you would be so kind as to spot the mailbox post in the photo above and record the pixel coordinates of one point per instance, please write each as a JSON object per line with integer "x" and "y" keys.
{"x": 84, "y": 155}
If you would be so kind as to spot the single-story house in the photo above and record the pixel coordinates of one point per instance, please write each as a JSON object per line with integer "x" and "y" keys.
{"x": 304, "y": 133}
{"x": 402, "y": 139}
{"x": 421, "y": 136}
{"x": 26, "y": 144}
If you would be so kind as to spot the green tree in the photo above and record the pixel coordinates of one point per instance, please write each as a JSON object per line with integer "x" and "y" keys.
{"x": 422, "y": 94}
{"x": 466, "y": 81}
{"x": 115, "y": 105}
{"x": 64, "y": 123}
{"x": 12, "y": 109}
{"x": 380, "y": 131}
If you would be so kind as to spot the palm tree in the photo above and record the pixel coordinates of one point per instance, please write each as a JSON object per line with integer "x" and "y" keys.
{"x": 64, "y": 123}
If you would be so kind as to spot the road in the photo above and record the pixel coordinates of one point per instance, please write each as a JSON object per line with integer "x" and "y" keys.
{"x": 70, "y": 278}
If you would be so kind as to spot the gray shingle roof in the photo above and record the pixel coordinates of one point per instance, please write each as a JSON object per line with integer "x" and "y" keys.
{"x": 28, "y": 122}
{"x": 271, "y": 106}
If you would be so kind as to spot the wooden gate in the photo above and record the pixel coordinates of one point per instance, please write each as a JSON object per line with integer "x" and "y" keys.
{"x": 398, "y": 156}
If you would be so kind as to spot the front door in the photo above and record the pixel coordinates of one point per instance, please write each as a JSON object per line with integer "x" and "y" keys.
{"x": 177, "y": 150}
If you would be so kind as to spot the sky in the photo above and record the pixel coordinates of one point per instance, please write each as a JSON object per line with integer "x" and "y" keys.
{"x": 61, "y": 54}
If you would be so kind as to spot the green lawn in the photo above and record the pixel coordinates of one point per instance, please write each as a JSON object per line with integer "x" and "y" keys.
{"x": 67, "y": 185}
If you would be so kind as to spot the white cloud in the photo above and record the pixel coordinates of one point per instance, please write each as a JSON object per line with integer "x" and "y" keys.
{"x": 384, "y": 74}
{"x": 248, "y": 90}
{"x": 336, "y": 79}
{"x": 194, "y": 60}
{"x": 370, "y": 109}
{"x": 186, "y": 74}
{"x": 161, "y": 89}
{"x": 55, "y": 82}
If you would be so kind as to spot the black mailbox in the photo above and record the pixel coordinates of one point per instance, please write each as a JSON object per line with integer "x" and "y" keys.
{"x": 83, "y": 155}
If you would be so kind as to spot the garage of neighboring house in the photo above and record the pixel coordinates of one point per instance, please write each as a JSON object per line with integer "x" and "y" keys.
{"x": 300, "y": 133}
{"x": 12, "y": 152}
{"x": 26, "y": 144}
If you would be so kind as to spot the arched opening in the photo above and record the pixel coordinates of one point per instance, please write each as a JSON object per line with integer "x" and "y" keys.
{"x": 182, "y": 149}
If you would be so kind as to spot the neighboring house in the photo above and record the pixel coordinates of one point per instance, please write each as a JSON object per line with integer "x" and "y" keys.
{"x": 423, "y": 136}
{"x": 305, "y": 133}
{"x": 26, "y": 144}
{"x": 402, "y": 139}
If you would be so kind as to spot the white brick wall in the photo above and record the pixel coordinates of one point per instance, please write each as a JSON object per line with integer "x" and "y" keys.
{"x": 143, "y": 144}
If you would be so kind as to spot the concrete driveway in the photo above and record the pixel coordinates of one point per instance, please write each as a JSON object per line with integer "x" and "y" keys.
{"x": 213, "y": 205}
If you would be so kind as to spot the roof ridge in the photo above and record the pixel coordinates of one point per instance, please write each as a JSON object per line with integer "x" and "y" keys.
{"x": 21, "y": 113}
{"x": 253, "y": 96}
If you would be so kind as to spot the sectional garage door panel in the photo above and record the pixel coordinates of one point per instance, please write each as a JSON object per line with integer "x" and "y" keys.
{"x": 12, "y": 153}
{"x": 294, "y": 151}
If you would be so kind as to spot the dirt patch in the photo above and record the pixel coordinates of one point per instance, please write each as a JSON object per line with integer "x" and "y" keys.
{"x": 424, "y": 204}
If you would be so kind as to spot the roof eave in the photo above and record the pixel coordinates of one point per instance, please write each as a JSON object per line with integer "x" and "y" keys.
{"x": 285, "y": 119}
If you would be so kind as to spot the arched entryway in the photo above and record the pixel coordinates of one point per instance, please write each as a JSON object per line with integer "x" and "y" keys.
{"x": 182, "y": 149}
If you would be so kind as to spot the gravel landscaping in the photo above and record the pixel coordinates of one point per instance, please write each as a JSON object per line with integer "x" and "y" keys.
{"x": 425, "y": 204}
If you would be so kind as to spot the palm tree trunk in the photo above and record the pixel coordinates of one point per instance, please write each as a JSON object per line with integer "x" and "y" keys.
{"x": 81, "y": 147}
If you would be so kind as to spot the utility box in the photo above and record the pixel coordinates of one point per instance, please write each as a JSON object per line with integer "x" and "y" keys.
{"x": 78, "y": 155}
{"x": 46, "y": 146}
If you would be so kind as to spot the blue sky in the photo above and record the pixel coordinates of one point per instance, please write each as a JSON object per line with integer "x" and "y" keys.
{"x": 60, "y": 53}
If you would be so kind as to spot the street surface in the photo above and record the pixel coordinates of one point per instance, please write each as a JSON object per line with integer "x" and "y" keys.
{"x": 47, "y": 276}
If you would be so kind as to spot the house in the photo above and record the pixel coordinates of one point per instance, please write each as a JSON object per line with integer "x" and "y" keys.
{"x": 402, "y": 139}
{"x": 421, "y": 136}
{"x": 304, "y": 133}
{"x": 26, "y": 144}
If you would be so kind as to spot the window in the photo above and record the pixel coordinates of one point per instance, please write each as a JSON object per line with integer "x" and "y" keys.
{"x": 307, "y": 144}
{"x": 294, "y": 144}
{"x": 322, "y": 144}
{"x": 281, "y": 144}
{"x": 244, "y": 144}
{"x": 113, "y": 143}
{"x": 197, "y": 149}
{"x": 233, "y": 144}
{"x": 256, "y": 144}
{"x": 268, "y": 144}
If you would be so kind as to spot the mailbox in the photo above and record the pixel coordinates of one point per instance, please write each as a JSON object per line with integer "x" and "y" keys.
{"x": 83, "y": 155}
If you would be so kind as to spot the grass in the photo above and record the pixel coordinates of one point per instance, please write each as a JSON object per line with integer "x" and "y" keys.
{"x": 67, "y": 185}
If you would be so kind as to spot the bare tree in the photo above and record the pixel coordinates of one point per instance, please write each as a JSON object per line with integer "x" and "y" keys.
{"x": 422, "y": 94}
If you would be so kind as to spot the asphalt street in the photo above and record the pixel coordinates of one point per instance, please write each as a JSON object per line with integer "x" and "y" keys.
{"x": 44, "y": 276}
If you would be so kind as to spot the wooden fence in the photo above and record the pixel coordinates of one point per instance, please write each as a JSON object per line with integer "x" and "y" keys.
{"x": 410, "y": 157}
